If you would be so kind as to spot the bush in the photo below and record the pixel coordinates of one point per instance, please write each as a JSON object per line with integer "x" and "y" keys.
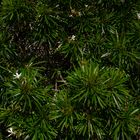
{"x": 69, "y": 69}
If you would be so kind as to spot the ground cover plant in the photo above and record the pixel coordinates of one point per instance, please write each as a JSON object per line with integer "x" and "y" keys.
{"x": 69, "y": 70}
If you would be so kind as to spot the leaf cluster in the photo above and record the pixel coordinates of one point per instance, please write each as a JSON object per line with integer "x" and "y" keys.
{"x": 69, "y": 69}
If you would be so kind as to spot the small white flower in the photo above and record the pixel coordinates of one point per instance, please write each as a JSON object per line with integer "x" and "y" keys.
{"x": 105, "y": 55}
{"x": 17, "y": 75}
{"x": 73, "y": 37}
{"x": 138, "y": 15}
{"x": 86, "y": 5}
{"x": 71, "y": 15}
{"x": 10, "y": 130}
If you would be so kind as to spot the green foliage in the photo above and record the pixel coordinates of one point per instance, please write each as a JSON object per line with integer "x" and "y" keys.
{"x": 69, "y": 69}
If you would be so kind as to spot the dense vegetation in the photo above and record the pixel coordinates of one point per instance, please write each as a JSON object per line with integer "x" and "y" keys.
{"x": 69, "y": 69}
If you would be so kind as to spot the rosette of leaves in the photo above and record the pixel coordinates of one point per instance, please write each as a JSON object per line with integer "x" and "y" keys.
{"x": 98, "y": 96}
{"x": 63, "y": 114}
{"x": 25, "y": 105}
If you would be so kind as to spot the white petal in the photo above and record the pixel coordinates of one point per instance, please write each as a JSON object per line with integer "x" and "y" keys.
{"x": 73, "y": 37}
